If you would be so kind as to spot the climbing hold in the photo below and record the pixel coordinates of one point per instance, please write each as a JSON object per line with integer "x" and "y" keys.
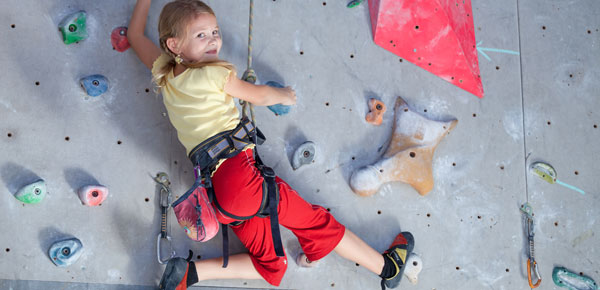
{"x": 118, "y": 38}
{"x": 66, "y": 252}
{"x": 354, "y": 3}
{"x": 93, "y": 195}
{"x": 409, "y": 155}
{"x": 572, "y": 281}
{"x": 305, "y": 154}
{"x": 278, "y": 109}
{"x": 73, "y": 27}
{"x": 32, "y": 193}
{"x": 438, "y": 36}
{"x": 414, "y": 265}
{"x": 376, "y": 110}
{"x": 94, "y": 85}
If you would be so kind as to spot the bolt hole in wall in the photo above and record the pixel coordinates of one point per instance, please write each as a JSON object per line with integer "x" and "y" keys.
{"x": 146, "y": 199}
{"x": 37, "y": 83}
{"x": 501, "y": 167}
{"x": 119, "y": 142}
{"x": 12, "y": 26}
{"x": 67, "y": 138}
{"x": 7, "y": 250}
{"x": 457, "y": 268}
{"x": 378, "y": 212}
{"x": 9, "y": 135}
{"x": 576, "y": 172}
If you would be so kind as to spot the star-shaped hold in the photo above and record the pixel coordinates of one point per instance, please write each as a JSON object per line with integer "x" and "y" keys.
{"x": 409, "y": 155}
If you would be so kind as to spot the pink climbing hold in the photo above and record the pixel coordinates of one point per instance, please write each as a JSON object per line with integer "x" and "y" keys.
{"x": 93, "y": 195}
{"x": 436, "y": 35}
{"x": 118, "y": 38}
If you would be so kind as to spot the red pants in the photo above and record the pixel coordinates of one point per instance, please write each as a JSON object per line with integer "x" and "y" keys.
{"x": 238, "y": 189}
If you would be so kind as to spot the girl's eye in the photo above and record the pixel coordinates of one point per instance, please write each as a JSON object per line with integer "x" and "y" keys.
{"x": 201, "y": 35}
{"x": 216, "y": 33}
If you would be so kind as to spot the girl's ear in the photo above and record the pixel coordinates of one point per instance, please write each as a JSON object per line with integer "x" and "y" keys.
{"x": 172, "y": 44}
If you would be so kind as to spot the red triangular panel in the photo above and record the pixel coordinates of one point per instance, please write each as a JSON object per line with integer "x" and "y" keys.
{"x": 436, "y": 35}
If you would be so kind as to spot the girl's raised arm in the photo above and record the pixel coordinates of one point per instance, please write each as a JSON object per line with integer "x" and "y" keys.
{"x": 259, "y": 95}
{"x": 145, "y": 49}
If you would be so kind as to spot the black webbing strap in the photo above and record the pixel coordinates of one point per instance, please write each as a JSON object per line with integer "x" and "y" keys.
{"x": 224, "y": 231}
{"x": 269, "y": 176}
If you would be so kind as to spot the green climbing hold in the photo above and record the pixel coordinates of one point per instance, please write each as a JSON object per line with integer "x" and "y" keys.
{"x": 572, "y": 281}
{"x": 73, "y": 27}
{"x": 32, "y": 193}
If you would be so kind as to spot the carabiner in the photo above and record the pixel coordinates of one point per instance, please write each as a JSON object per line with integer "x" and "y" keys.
{"x": 537, "y": 274}
{"x": 158, "y": 247}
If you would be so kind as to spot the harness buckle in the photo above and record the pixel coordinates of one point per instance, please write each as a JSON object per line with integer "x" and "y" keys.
{"x": 267, "y": 171}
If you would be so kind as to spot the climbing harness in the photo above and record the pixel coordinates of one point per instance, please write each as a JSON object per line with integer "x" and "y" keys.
{"x": 165, "y": 200}
{"x": 529, "y": 228}
{"x": 572, "y": 281}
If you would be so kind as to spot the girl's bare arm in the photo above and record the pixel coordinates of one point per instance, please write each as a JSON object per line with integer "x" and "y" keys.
{"x": 145, "y": 49}
{"x": 259, "y": 95}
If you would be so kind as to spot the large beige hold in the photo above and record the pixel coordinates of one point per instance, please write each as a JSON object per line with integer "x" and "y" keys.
{"x": 409, "y": 155}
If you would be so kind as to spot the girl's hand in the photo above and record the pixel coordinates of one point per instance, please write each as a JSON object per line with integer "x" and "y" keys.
{"x": 288, "y": 96}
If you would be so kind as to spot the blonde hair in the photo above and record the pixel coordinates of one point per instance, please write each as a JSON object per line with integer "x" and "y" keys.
{"x": 172, "y": 23}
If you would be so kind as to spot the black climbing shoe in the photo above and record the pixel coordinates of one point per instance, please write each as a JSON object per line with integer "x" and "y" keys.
{"x": 175, "y": 275}
{"x": 399, "y": 251}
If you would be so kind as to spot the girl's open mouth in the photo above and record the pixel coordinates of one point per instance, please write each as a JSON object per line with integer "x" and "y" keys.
{"x": 214, "y": 51}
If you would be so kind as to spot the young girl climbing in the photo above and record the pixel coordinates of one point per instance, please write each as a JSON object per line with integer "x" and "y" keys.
{"x": 198, "y": 90}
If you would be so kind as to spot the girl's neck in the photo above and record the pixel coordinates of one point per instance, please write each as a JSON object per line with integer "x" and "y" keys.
{"x": 178, "y": 69}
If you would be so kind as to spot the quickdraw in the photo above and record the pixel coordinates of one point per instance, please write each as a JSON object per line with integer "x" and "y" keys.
{"x": 530, "y": 229}
{"x": 165, "y": 200}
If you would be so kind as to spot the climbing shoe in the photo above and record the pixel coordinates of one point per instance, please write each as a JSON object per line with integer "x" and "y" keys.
{"x": 179, "y": 274}
{"x": 396, "y": 256}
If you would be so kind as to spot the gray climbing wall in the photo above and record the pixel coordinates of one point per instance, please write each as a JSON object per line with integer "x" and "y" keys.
{"x": 541, "y": 105}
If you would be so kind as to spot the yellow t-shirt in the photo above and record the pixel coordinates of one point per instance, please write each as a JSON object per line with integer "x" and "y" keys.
{"x": 197, "y": 104}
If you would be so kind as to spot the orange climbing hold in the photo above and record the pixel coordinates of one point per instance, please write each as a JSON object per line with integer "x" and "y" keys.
{"x": 436, "y": 35}
{"x": 376, "y": 110}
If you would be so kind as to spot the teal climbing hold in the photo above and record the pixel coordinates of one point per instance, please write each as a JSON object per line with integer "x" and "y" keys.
{"x": 94, "y": 85}
{"x": 572, "y": 281}
{"x": 278, "y": 109}
{"x": 73, "y": 27}
{"x": 66, "y": 252}
{"x": 32, "y": 193}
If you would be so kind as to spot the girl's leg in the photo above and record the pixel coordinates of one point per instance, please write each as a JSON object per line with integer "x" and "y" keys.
{"x": 240, "y": 267}
{"x": 355, "y": 249}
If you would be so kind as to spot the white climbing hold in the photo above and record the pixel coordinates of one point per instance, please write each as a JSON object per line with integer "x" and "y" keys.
{"x": 305, "y": 154}
{"x": 413, "y": 268}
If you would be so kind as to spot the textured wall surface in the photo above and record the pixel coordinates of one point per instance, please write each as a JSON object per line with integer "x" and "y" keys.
{"x": 540, "y": 105}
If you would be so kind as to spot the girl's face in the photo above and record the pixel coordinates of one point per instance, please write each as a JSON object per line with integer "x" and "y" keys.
{"x": 202, "y": 41}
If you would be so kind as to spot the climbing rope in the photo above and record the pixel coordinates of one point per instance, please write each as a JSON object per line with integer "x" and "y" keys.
{"x": 249, "y": 74}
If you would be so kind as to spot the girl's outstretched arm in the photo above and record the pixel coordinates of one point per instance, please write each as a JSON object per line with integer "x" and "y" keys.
{"x": 145, "y": 49}
{"x": 259, "y": 95}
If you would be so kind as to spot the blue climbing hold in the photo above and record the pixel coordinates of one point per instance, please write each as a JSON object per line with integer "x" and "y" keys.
{"x": 65, "y": 253}
{"x": 278, "y": 109}
{"x": 94, "y": 85}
